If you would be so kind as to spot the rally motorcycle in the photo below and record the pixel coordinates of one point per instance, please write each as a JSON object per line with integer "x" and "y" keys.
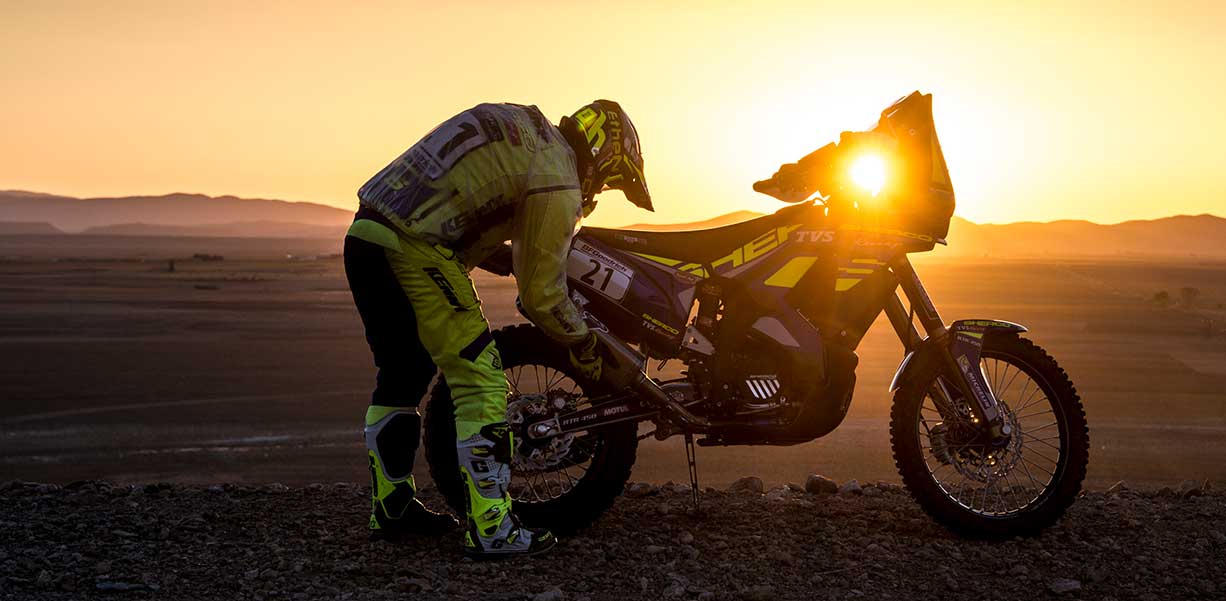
{"x": 988, "y": 433}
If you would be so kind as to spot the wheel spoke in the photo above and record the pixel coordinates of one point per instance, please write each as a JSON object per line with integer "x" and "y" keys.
{"x": 985, "y": 479}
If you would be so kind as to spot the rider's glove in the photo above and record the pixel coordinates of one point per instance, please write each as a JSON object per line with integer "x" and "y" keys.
{"x": 585, "y": 356}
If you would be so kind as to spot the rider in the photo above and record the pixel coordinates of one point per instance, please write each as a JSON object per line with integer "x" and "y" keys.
{"x": 493, "y": 173}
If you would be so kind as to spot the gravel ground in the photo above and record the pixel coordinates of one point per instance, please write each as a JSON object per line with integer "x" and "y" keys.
{"x": 93, "y": 540}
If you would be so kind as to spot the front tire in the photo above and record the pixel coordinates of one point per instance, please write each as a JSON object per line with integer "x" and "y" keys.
{"x": 587, "y": 479}
{"x": 994, "y": 493}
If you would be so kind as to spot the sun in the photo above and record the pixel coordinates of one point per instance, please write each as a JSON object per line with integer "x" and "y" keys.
{"x": 868, "y": 172}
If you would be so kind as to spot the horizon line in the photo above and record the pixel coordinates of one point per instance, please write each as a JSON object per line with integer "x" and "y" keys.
{"x": 319, "y": 204}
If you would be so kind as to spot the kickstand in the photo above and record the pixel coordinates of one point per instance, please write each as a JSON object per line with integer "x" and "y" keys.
{"x": 689, "y": 456}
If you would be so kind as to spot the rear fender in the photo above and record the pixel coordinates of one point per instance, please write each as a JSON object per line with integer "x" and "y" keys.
{"x": 966, "y": 338}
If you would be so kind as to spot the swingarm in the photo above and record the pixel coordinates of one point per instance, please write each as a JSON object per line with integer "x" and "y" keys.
{"x": 612, "y": 409}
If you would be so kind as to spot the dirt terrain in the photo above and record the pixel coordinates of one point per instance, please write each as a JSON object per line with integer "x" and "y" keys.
{"x": 164, "y": 541}
{"x": 253, "y": 368}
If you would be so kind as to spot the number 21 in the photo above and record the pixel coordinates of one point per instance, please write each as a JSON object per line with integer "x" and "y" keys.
{"x": 587, "y": 277}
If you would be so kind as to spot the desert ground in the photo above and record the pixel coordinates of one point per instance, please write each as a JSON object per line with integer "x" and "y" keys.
{"x": 254, "y": 369}
{"x": 276, "y": 543}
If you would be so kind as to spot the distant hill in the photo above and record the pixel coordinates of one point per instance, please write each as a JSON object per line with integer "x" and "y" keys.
{"x": 197, "y": 215}
{"x": 13, "y": 228}
{"x": 77, "y": 214}
{"x": 245, "y": 229}
{"x": 1179, "y": 236}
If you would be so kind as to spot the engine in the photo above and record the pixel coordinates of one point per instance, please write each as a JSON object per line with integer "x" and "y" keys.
{"x": 752, "y": 383}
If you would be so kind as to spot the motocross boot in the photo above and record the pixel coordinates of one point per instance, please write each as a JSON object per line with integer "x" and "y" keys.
{"x": 493, "y": 531}
{"x": 392, "y": 435}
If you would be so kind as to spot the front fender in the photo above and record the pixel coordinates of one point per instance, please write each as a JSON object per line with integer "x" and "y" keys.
{"x": 965, "y": 332}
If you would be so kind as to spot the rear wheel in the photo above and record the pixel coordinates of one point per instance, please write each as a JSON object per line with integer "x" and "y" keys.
{"x": 972, "y": 487}
{"x": 563, "y": 483}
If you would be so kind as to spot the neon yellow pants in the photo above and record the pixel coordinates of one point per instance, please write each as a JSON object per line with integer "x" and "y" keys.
{"x": 453, "y": 330}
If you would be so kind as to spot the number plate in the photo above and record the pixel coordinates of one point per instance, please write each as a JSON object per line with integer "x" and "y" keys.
{"x": 599, "y": 271}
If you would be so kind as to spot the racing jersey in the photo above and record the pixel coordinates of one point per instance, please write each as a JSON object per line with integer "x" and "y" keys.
{"x": 492, "y": 173}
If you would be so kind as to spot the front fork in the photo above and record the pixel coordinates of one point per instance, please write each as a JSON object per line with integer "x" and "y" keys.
{"x": 957, "y": 347}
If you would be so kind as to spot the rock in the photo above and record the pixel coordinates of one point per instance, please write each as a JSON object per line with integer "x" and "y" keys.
{"x": 1018, "y": 570}
{"x": 1117, "y": 488}
{"x": 871, "y": 491}
{"x": 685, "y": 538}
{"x": 818, "y": 485}
{"x": 414, "y": 585}
{"x": 107, "y": 586}
{"x": 653, "y": 549}
{"x": 1064, "y": 585}
{"x": 553, "y": 594}
{"x": 780, "y": 556}
{"x": 776, "y": 494}
{"x": 674, "y": 590}
{"x": 276, "y": 488}
{"x": 759, "y": 593}
{"x": 638, "y": 490}
{"x": 748, "y": 484}
{"x": 1218, "y": 537}
{"x": 1166, "y": 492}
{"x": 888, "y": 487}
{"x": 851, "y": 487}
{"x": 1190, "y": 488}
{"x": 794, "y": 487}
{"x": 44, "y": 579}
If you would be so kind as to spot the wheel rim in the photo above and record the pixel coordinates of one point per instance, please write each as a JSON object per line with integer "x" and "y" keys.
{"x": 541, "y": 473}
{"x": 997, "y": 483}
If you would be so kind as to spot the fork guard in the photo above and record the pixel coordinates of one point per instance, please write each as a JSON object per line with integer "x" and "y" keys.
{"x": 965, "y": 339}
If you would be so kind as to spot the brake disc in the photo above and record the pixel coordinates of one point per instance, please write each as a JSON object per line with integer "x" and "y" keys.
{"x": 954, "y": 445}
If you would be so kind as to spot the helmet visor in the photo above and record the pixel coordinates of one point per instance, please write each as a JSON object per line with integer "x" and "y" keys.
{"x": 633, "y": 184}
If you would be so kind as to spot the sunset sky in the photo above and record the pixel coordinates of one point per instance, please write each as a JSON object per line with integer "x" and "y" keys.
{"x": 1046, "y": 110}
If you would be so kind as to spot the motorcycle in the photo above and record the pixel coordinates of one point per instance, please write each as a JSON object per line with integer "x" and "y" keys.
{"x": 987, "y": 431}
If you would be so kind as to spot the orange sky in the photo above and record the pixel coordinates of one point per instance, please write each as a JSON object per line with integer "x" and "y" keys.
{"x": 1046, "y": 110}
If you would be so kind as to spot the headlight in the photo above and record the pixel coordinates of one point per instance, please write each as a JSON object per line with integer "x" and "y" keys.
{"x": 868, "y": 172}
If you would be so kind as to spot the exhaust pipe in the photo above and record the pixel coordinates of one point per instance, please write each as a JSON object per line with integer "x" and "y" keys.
{"x": 628, "y": 372}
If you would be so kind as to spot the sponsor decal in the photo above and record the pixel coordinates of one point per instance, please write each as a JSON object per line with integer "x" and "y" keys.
{"x": 444, "y": 286}
{"x": 756, "y": 249}
{"x": 630, "y": 239}
{"x": 597, "y": 270}
{"x": 865, "y": 242}
{"x": 587, "y": 418}
{"x": 654, "y": 324}
{"x": 965, "y": 365}
{"x": 818, "y": 236}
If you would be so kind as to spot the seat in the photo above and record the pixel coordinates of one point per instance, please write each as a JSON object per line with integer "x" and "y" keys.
{"x": 694, "y": 246}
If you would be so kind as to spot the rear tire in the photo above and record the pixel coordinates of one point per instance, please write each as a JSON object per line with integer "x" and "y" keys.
{"x": 611, "y": 450}
{"x": 957, "y": 505}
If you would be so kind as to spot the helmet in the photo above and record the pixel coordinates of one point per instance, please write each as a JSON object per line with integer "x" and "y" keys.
{"x": 607, "y": 153}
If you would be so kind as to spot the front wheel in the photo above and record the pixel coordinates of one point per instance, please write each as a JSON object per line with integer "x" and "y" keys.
{"x": 563, "y": 483}
{"x": 975, "y": 488}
